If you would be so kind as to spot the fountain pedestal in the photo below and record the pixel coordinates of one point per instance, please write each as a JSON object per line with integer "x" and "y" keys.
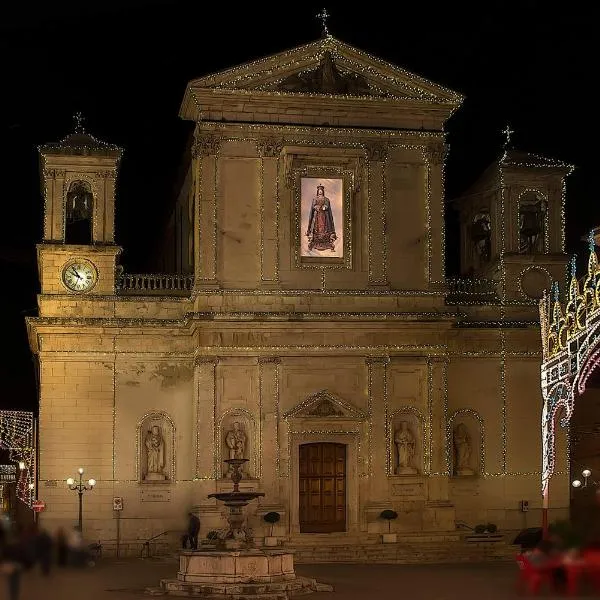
{"x": 235, "y": 570}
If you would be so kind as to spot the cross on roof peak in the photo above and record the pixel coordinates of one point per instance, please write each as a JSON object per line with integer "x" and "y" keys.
{"x": 78, "y": 120}
{"x": 323, "y": 16}
{"x": 507, "y": 131}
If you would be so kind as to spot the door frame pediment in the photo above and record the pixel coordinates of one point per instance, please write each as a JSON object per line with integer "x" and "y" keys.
{"x": 325, "y": 405}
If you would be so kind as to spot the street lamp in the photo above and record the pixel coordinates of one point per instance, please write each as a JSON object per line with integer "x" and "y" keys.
{"x": 577, "y": 483}
{"x": 80, "y": 487}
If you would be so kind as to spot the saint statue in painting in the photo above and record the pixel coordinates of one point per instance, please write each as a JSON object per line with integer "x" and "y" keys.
{"x": 321, "y": 228}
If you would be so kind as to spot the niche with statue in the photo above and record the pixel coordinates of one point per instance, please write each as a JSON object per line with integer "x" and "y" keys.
{"x": 406, "y": 436}
{"x": 465, "y": 445}
{"x": 156, "y": 449}
{"x": 237, "y": 441}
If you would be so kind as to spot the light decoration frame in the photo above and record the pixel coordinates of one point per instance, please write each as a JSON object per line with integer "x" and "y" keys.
{"x": 17, "y": 435}
{"x": 570, "y": 330}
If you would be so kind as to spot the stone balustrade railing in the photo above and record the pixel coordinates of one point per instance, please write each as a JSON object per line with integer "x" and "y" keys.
{"x": 457, "y": 289}
{"x": 471, "y": 289}
{"x": 155, "y": 284}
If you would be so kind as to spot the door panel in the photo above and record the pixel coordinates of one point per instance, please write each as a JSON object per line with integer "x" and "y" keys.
{"x": 322, "y": 487}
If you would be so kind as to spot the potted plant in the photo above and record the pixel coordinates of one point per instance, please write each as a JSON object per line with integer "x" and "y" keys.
{"x": 271, "y": 518}
{"x": 389, "y": 516}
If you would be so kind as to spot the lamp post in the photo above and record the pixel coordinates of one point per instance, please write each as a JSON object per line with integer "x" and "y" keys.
{"x": 80, "y": 487}
{"x": 586, "y": 474}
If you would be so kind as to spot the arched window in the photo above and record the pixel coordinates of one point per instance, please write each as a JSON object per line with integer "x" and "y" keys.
{"x": 78, "y": 225}
{"x": 533, "y": 215}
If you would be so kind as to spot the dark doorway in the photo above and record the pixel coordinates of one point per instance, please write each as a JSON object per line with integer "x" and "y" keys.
{"x": 322, "y": 501}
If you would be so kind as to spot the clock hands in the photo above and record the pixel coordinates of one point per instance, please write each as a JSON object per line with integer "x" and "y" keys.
{"x": 75, "y": 272}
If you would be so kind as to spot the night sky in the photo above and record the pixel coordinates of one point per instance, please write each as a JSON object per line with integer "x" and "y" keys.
{"x": 125, "y": 64}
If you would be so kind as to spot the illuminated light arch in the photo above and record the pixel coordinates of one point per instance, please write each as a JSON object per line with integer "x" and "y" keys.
{"x": 570, "y": 329}
{"x": 17, "y": 435}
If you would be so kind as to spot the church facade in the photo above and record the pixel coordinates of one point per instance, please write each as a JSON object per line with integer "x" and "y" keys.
{"x": 307, "y": 324}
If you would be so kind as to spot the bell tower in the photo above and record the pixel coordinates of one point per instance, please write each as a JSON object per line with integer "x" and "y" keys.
{"x": 512, "y": 224}
{"x": 78, "y": 252}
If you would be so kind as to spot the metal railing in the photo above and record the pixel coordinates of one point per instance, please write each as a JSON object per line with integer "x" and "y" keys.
{"x": 146, "y": 545}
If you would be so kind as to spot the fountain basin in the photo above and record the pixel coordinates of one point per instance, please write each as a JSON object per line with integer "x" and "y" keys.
{"x": 256, "y": 574}
{"x": 244, "y": 566}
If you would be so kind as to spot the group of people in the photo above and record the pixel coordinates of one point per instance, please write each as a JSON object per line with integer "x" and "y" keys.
{"x": 22, "y": 550}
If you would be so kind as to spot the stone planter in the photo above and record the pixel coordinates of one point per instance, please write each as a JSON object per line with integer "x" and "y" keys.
{"x": 389, "y": 538}
{"x": 271, "y": 541}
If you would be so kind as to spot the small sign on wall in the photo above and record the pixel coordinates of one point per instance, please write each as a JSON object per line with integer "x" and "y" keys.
{"x": 155, "y": 495}
{"x": 117, "y": 503}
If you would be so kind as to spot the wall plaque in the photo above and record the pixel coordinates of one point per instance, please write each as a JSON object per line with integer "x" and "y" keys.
{"x": 155, "y": 495}
{"x": 403, "y": 489}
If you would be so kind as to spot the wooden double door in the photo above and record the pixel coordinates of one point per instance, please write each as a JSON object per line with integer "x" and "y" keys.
{"x": 322, "y": 501}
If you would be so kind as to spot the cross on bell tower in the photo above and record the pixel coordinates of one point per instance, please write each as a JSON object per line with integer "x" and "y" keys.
{"x": 323, "y": 16}
{"x": 507, "y": 131}
{"x": 78, "y": 120}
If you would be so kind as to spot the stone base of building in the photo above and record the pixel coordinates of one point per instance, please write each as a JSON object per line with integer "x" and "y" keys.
{"x": 264, "y": 575}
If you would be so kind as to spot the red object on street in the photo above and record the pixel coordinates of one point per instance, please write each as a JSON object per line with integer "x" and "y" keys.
{"x": 38, "y": 505}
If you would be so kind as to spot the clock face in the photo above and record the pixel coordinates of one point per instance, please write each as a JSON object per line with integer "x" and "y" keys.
{"x": 79, "y": 275}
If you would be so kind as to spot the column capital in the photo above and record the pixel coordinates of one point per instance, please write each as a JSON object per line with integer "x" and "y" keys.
{"x": 436, "y": 152}
{"x": 266, "y": 360}
{"x": 270, "y": 147}
{"x": 377, "y": 360}
{"x": 206, "y": 145}
{"x": 377, "y": 152}
{"x": 205, "y": 360}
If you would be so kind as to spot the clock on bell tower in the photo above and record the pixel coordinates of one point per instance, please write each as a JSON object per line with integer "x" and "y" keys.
{"x": 78, "y": 253}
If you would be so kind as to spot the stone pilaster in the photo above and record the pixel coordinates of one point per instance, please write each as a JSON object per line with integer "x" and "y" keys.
{"x": 269, "y": 151}
{"x": 205, "y": 153}
{"x": 54, "y": 217}
{"x": 438, "y": 450}
{"x": 376, "y": 215}
{"x": 435, "y": 155}
{"x": 205, "y": 368}
{"x": 269, "y": 439}
{"x": 378, "y": 430}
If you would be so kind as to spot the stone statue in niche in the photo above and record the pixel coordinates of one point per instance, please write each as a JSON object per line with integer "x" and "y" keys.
{"x": 155, "y": 454}
{"x": 462, "y": 451}
{"x": 235, "y": 440}
{"x": 481, "y": 232}
{"x": 405, "y": 447}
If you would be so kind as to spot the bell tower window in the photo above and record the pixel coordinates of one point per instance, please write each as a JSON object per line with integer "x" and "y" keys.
{"x": 79, "y": 206}
{"x": 533, "y": 217}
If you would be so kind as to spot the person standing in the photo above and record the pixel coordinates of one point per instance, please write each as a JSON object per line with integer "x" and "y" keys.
{"x": 12, "y": 564}
{"x": 43, "y": 551}
{"x": 193, "y": 530}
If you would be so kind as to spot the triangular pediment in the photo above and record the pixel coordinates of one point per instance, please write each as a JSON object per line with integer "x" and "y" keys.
{"x": 327, "y": 67}
{"x": 325, "y": 405}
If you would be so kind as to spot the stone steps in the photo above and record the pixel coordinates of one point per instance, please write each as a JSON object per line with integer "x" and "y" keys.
{"x": 244, "y": 591}
{"x": 403, "y": 553}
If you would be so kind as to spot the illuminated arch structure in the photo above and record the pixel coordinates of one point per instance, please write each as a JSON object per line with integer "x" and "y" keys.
{"x": 17, "y": 435}
{"x": 570, "y": 352}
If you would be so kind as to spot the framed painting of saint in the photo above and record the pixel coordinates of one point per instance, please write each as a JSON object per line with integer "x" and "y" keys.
{"x": 323, "y": 224}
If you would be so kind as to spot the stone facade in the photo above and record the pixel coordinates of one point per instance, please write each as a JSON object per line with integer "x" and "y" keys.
{"x": 144, "y": 377}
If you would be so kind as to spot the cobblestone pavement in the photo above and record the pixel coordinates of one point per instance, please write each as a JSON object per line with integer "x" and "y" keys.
{"x": 127, "y": 580}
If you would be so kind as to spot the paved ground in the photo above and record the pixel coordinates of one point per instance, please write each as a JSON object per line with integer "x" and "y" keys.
{"x": 127, "y": 579}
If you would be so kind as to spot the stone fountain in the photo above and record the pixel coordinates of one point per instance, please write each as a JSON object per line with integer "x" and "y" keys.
{"x": 236, "y": 570}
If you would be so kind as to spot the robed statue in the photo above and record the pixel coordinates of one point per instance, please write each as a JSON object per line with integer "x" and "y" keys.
{"x": 405, "y": 447}
{"x": 462, "y": 450}
{"x": 155, "y": 455}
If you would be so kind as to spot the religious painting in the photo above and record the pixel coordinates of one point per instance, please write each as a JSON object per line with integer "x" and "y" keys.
{"x": 322, "y": 218}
